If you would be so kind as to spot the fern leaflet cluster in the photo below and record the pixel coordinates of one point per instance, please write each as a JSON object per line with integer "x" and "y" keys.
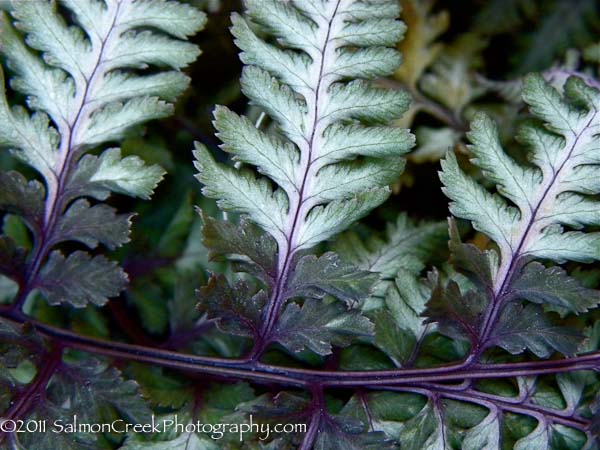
{"x": 539, "y": 212}
{"x": 86, "y": 84}
{"x": 331, "y": 156}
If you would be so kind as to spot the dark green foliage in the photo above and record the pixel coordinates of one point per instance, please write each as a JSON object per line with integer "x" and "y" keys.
{"x": 317, "y": 326}
{"x": 458, "y": 315}
{"x": 552, "y": 286}
{"x": 314, "y": 277}
{"x": 521, "y": 328}
{"x": 93, "y": 225}
{"x": 80, "y": 278}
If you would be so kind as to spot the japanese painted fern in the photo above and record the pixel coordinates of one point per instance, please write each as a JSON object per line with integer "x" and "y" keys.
{"x": 542, "y": 216}
{"x": 358, "y": 346}
{"x": 89, "y": 71}
{"x": 332, "y": 155}
{"x": 85, "y": 87}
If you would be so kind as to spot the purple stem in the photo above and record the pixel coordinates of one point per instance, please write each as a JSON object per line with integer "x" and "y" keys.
{"x": 493, "y": 402}
{"x": 34, "y": 393}
{"x": 437, "y": 110}
{"x": 317, "y": 412}
{"x": 522, "y": 399}
{"x": 56, "y": 186}
{"x": 289, "y": 376}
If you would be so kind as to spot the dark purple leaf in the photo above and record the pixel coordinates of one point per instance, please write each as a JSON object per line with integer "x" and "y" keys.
{"x": 528, "y": 328}
{"x": 314, "y": 277}
{"x": 552, "y": 286}
{"x": 237, "y": 310}
{"x": 317, "y": 326}
{"x": 459, "y": 316}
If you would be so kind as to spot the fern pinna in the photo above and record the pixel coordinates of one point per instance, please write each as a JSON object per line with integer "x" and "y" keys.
{"x": 330, "y": 158}
{"x": 496, "y": 350}
{"x": 554, "y": 194}
{"x": 85, "y": 85}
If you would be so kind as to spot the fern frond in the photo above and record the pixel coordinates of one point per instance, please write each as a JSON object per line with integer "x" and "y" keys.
{"x": 329, "y": 159}
{"x": 81, "y": 93}
{"x": 82, "y": 83}
{"x": 539, "y": 211}
{"x": 327, "y": 162}
{"x": 550, "y": 196}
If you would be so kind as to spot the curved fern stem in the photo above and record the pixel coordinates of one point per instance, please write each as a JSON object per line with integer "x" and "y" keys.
{"x": 288, "y": 376}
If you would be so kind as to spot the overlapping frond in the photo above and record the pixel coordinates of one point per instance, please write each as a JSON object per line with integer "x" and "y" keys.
{"x": 545, "y": 206}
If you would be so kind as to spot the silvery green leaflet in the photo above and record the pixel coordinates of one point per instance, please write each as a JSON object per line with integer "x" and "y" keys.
{"x": 331, "y": 158}
{"x": 269, "y": 300}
